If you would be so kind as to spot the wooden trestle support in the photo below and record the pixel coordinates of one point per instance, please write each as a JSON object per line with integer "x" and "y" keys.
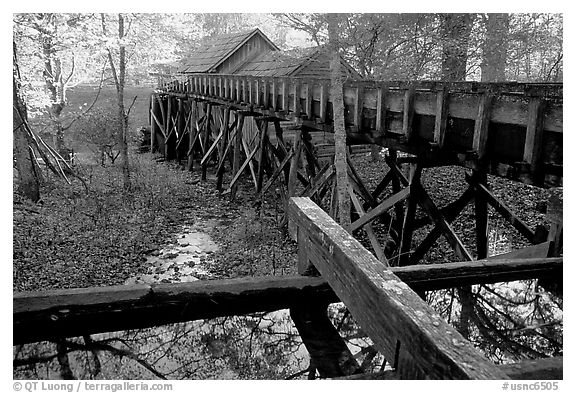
{"x": 218, "y": 120}
{"x": 422, "y": 125}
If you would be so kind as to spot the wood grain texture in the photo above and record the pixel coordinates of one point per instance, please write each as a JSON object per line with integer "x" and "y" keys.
{"x": 386, "y": 308}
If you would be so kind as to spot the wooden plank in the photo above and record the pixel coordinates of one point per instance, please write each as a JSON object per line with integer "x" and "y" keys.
{"x": 441, "y": 116}
{"x": 323, "y": 101}
{"x": 285, "y": 90}
{"x": 481, "y": 125}
{"x": 274, "y": 95}
{"x": 533, "y": 369}
{"x": 266, "y": 94}
{"x": 382, "y": 92}
{"x": 297, "y": 92}
{"x": 358, "y": 105}
{"x": 309, "y": 99}
{"x": 536, "y": 369}
{"x": 384, "y": 306}
{"x": 79, "y": 311}
{"x": 408, "y": 113}
{"x": 534, "y": 131}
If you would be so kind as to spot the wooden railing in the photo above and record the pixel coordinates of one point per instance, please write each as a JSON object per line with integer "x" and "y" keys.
{"x": 417, "y": 341}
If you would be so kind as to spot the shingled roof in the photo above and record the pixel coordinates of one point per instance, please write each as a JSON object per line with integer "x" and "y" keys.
{"x": 214, "y": 50}
{"x": 290, "y": 63}
{"x": 276, "y": 63}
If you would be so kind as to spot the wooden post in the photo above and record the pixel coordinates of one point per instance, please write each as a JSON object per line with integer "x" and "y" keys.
{"x": 192, "y": 131}
{"x": 481, "y": 216}
{"x": 170, "y": 144}
{"x": 555, "y": 217}
{"x": 297, "y": 147}
{"x": 407, "y": 227}
{"x": 237, "y": 152}
{"x": 207, "y": 130}
{"x": 262, "y": 154}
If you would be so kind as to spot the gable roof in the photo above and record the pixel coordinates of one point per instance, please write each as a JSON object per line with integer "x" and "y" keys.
{"x": 214, "y": 50}
{"x": 289, "y": 63}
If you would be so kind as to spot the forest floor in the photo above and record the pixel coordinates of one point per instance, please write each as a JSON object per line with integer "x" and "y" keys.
{"x": 79, "y": 238}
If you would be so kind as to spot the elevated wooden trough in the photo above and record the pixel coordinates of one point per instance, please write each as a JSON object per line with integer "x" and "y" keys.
{"x": 512, "y": 130}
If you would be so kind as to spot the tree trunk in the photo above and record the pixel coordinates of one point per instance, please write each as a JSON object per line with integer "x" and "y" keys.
{"x": 494, "y": 48}
{"x": 336, "y": 94}
{"x": 456, "y": 33}
{"x": 456, "y": 30}
{"x": 120, "y": 80}
{"x": 55, "y": 84}
{"x": 28, "y": 183}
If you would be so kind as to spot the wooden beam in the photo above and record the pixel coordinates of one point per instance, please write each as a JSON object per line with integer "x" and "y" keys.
{"x": 410, "y": 214}
{"x": 328, "y": 352}
{"x": 236, "y": 157}
{"x": 384, "y": 306}
{"x": 297, "y": 147}
{"x": 381, "y": 208}
{"x": 503, "y": 210}
{"x": 368, "y": 228}
{"x": 278, "y": 171}
{"x": 263, "y": 128}
{"x": 323, "y": 101}
{"x": 429, "y": 207}
{"x": 441, "y": 116}
{"x": 408, "y": 113}
{"x": 80, "y": 311}
{"x": 481, "y": 125}
{"x": 534, "y": 131}
{"x": 533, "y": 369}
{"x": 358, "y": 105}
{"x": 381, "y": 109}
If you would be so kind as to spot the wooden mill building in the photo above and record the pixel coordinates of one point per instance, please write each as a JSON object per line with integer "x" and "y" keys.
{"x": 252, "y": 53}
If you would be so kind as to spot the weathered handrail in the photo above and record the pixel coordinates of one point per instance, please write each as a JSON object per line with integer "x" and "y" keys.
{"x": 401, "y": 325}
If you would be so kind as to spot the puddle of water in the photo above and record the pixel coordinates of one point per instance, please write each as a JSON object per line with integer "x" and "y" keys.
{"x": 183, "y": 261}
